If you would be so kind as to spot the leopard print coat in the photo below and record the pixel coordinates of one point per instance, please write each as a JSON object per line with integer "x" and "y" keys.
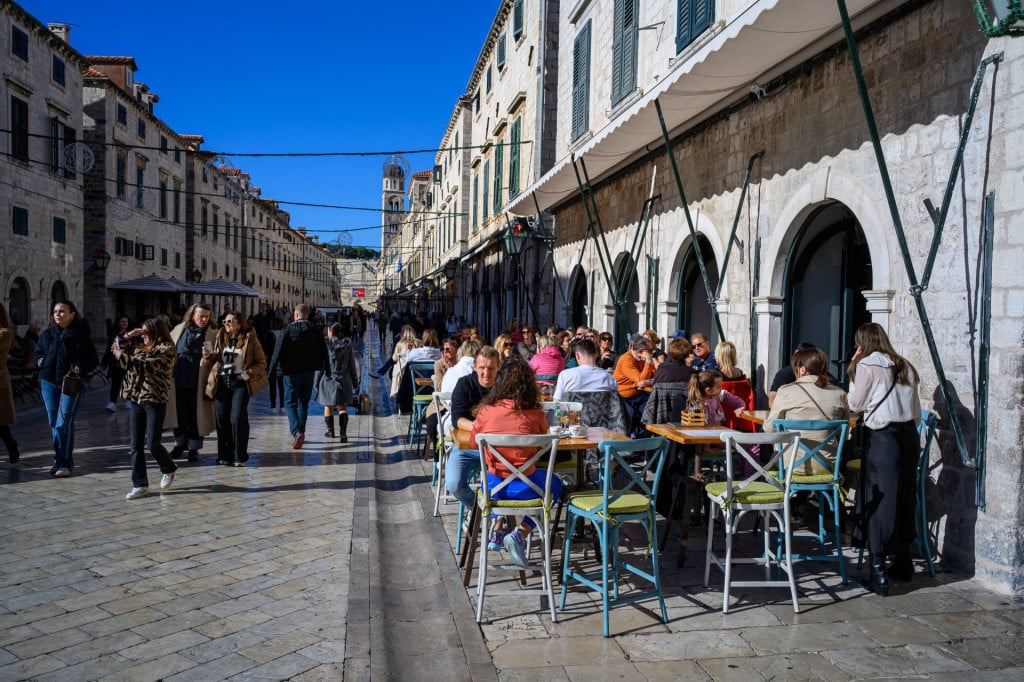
{"x": 148, "y": 374}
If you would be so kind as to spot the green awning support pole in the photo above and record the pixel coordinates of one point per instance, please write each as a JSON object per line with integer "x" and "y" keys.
{"x": 916, "y": 289}
{"x": 712, "y": 301}
{"x": 981, "y": 409}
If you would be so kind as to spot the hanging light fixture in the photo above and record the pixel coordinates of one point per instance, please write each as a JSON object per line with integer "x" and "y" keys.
{"x": 515, "y": 236}
{"x": 1000, "y": 17}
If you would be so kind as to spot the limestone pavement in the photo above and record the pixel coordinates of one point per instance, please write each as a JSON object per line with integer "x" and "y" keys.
{"x": 326, "y": 563}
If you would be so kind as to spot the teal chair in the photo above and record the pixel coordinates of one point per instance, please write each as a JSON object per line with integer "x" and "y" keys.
{"x": 607, "y": 510}
{"x": 925, "y": 429}
{"x": 828, "y": 487}
{"x": 421, "y": 379}
{"x": 761, "y": 493}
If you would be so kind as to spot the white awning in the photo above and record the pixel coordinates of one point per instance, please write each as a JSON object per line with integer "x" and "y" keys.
{"x": 764, "y": 37}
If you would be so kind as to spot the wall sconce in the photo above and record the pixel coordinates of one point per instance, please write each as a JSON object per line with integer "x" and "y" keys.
{"x": 451, "y": 268}
{"x": 100, "y": 260}
{"x": 515, "y": 236}
{"x": 1000, "y": 17}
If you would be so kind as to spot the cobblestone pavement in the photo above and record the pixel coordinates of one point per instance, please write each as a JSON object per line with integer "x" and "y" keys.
{"x": 326, "y": 563}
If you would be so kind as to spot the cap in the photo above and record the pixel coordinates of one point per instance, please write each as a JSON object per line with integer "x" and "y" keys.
{"x": 679, "y": 334}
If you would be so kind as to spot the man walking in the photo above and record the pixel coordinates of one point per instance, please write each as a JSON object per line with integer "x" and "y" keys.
{"x": 301, "y": 351}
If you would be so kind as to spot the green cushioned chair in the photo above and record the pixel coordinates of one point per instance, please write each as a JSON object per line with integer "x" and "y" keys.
{"x": 607, "y": 510}
{"x": 421, "y": 377}
{"x": 761, "y": 493}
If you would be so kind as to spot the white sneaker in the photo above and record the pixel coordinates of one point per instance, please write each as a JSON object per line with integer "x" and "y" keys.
{"x": 111, "y": 407}
{"x": 136, "y": 493}
{"x": 166, "y": 481}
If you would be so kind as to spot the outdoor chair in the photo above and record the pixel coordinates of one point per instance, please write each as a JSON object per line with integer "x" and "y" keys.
{"x": 762, "y": 493}
{"x": 539, "y": 508}
{"x": 422, "y": 382}
{"x": 828, "y": 487}
{"x": 442, "y": 404}
{"x": 607, "y": 510}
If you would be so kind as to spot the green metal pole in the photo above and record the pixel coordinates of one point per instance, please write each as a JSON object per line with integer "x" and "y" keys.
{"x": 890, "y": 196}
{"x": 736, "y": 222}
{"x": 712, "y": 301}
{"x": 981, "y": 410}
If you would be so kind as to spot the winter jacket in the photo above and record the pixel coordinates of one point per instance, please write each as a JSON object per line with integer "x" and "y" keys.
{"x": 300, "y": 348}
{"x": 59, "y": 350}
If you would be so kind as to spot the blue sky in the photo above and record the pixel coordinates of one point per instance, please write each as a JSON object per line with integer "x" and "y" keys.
{"x": 322, "y": 76}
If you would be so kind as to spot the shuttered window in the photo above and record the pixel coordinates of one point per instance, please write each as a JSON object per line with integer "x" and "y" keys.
{"x": 486, "y": 189}
{"x": 514, "y": 156}
{"x": 693, "y": 17}
{"x": 19, "y": 128}
{"x": 517, "y": 19}
{"x": 499, "y": 161}
{"x": 500, "y": 60}
{"x": 623, "y": 49}
{"x": 60, "y": 230}
{"x": 581, "y": 82}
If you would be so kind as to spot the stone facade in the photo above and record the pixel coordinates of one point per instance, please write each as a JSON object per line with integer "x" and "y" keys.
{"x": 41, "y": 252}
{"x": 919, "y": 63}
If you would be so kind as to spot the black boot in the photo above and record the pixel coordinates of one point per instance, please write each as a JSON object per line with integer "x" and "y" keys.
{"x": 14, "y": 455}
{"x": 329, "y": 421}
{"x": 902, "y": 568}
{"x": 879, "y": 581}
{"x": 193, "y": 455}
{"x": 177, "y": 451}
{"x": 343, "y": 427}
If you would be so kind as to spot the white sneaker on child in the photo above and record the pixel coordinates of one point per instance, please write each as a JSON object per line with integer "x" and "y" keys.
{"x": 516, "y": 546}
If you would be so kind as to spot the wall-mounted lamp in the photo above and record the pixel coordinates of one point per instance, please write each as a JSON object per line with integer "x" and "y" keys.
{"x": 515, "y": 236}
{"x": 99, "y": 260}
{"x": 451, "y": 268}
{"x": 1000, "y": 17}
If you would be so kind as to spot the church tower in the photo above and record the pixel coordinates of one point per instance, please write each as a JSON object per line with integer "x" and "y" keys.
{"x": 393, "y": 196}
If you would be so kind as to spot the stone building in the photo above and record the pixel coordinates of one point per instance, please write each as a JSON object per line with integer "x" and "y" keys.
{"x": 42, "y": 256}
{"x": 808, "y": 249}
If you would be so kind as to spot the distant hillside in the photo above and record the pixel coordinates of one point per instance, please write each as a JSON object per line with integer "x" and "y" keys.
{"x": 356, "y": 252}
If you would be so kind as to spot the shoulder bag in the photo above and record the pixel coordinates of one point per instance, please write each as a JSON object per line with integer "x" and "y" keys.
{"x": 71, "y": 384}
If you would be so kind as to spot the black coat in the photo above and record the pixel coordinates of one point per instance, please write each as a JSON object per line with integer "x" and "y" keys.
{"x": 300, "y": 348}
{"x": 58, "y": 350}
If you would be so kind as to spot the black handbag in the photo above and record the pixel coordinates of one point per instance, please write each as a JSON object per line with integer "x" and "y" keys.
{"x": 71, "y": 384}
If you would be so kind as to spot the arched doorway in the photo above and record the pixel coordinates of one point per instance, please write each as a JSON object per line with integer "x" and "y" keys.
{"x": 694, "y": 313}
{"x": 20, "y": 298}
{"x": 58, "y": 292}
{"x": 627, "y": 318}
{"x": 578, "y": 299}
{"x": 828, "y": 266}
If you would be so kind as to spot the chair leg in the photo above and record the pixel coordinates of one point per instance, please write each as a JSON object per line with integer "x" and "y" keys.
{"x": 728, "y": 557}
{"x": 605, "y": 601}
{"x": 655, "y": 571}
{"x": 545, "y": 539}
{"x": 481, "y": 580}
{"x": 709, "y": 548}
{"x": 838, "y": 536}
{"x": 570, "y": 527}
{"x": 787, "y": 531}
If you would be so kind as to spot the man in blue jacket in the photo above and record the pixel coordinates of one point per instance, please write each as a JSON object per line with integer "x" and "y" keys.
{"x": 301, "y": 351}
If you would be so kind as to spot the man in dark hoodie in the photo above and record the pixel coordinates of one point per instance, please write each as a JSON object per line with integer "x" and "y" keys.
{"x": 301, "y": 351}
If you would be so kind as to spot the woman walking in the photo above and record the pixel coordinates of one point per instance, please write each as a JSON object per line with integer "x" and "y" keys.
{"x": 148, "y": 364}
{"x": 336, "y": 383}
{"x": 883, "y": 385}
{"x": 65, "y": 347}
{"x": 114, "y": 371}
{"x": 7, "y": 415}
{"x": 192, "y": 415}
{"x": 238, "y": 370}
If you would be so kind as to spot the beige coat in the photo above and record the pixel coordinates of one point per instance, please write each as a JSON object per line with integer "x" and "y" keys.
{"x": 7, "y": 415}
{"x": 252, "y": 360}
{"x": 802, "y": 400}
{"x": 207, "y": 421}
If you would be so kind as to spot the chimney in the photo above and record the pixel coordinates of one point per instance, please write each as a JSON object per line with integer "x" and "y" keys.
{"x": 62, "y": 31}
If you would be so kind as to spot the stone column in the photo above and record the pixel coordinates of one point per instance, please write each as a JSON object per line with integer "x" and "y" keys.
{"x": 879, "y": 305}
{"x": 668, "y": 313}
{"x": 768, "y": 310}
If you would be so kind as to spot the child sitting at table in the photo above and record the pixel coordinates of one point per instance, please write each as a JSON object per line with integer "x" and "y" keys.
{"x": 706, "y": 389}
{"x": 512, "y": 407}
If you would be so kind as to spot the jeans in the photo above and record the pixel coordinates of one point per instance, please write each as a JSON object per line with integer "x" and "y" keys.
{"x": 60, "y": 412}
{"x": 231, "y": 406}
{"x": 634, "y": 408}
{"x": 518, "y": 490}
{"x": 146, "y": 423}
{"x": 297, "y": 390}
{"x": 462, "y": 465}
{"x": 186, "y": 433}
{"x": 276, "y": 388}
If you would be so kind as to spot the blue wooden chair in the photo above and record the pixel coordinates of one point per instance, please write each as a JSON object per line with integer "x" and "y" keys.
{"x": 421, "y": 378}
{"x": 607, "y": 510}
{"x": 762, "y": 493}
{"x": 828, "y": 487}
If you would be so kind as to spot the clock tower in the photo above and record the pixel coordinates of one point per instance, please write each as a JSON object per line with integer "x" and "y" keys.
{"x": 396, "y": 168}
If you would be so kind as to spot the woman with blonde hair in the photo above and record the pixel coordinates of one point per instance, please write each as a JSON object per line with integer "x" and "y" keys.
{"x": 7, "y": 414}
{"x": 505, "y": 346}
{"x": 191, "y": 414}
{"x": 148, "y": 364}
{"x": 238, "y": 371}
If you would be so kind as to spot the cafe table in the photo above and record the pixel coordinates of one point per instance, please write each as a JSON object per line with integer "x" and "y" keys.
{"x": 760, "y": 416}
{"x": 688, "y": 436}
{"x": 588, "y": 441}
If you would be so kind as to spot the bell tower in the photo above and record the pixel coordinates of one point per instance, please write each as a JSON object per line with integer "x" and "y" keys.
{"x": 396, "y": 168}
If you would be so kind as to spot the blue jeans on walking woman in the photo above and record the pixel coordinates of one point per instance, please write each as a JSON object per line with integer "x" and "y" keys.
{"x": 60, "y": 412}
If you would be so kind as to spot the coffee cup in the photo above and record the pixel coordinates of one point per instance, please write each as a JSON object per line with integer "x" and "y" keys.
{"x": 577, "y": 430}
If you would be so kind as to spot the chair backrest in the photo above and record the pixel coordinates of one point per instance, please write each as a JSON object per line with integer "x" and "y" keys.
{"x": 442, "y": 407}
{"x": 742, "y": 389}
{"x": 835, "y": 431}
{"x": 619, "y": 456}
{"x": 600, "y": 408}
{"x": 743, "y": 444}
{"x": 926, "y": 429}
{"x": 546, "y": 445}
{"x": 667, "y": 401}
{"x": 422, "y": 371}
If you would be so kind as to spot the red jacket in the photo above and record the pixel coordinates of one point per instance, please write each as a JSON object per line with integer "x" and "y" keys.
{"x": 504, "y": 418}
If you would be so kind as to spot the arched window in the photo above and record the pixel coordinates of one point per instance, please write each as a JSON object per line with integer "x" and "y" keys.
{"x": 694, "y": 314}
{"x": 58, "y": 292}
{"x": 19, "y": 297}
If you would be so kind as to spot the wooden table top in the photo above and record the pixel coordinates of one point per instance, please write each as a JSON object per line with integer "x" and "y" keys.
{"x": 689, "y": 435}
{"x": 595, "y": 434}
{"x": 759, "y": 416}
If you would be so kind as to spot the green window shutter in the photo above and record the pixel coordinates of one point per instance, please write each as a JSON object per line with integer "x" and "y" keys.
{"x": 517, "y": 19}
{"x": 476, "y": 198}
{"x": 499, "y": 162}
{"x": 513, "y": 157}
{"x": 581, "y": 82}
{"x": 501, "y": 52}
{"x": 486, "y": 188}
{"x": 703, "y": 15}
{"x": 683, "y": 21}
{"x": 19, "y": 129}
{"x": 59, "y": 230}
{"x": 693, "y": 17}
{"x": 624, "y": 45}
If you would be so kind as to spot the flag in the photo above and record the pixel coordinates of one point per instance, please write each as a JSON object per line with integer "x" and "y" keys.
{"x": 399, "y": 264}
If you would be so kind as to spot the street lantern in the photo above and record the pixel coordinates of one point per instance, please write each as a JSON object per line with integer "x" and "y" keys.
{"x": 451, "y": 268}
{"x": 515, "y": 236}
{"x": 1000, "y": 17}
{"x": 100, "y": 260}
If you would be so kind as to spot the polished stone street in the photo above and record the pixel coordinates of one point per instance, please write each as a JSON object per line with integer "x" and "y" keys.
{"x": 326, "y": 563}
